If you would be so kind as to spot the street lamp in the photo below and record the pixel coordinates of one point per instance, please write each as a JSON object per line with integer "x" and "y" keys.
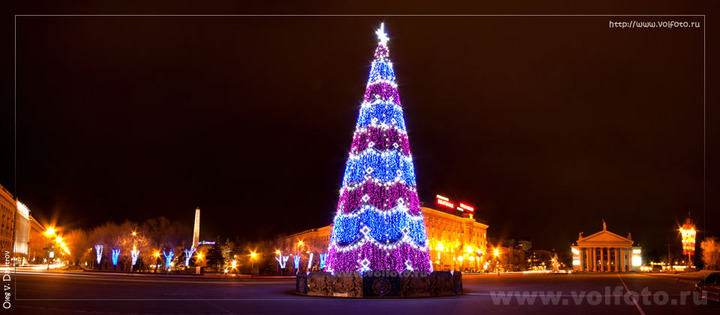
{"x": 50, "y": 232}
{"x": 497, "y": 260}
{"x": 252, "y": 260}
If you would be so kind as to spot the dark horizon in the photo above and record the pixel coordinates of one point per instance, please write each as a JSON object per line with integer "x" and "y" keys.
{"x": 547, "y": 125}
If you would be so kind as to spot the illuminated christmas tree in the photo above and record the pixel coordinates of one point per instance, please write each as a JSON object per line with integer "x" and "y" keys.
{"x": 378, "y": 225}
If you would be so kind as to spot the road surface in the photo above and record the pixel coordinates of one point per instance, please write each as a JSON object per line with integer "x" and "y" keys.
{"x": 89, "y": 293}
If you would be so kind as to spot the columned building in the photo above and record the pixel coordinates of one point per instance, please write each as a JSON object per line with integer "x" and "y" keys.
{"x": 456, "y": 240}
{"x": 8, "y": 208}
{"x": 606, "y": 251}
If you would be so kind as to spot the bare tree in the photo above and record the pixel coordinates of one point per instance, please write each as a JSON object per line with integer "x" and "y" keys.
{"x": 711, "y": 253}
{"x": 78, "y": 244}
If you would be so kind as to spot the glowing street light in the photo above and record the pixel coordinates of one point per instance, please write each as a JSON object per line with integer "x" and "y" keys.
{"x": 50, "y": 232}
{"x": 252, "y": 260}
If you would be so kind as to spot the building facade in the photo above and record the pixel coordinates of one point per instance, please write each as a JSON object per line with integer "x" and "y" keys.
{"x": 456, "y": 241}
{"x": 8, "y": 208}
{"x": 22, "y": 230}
{"x": 606, "y": 251}
{"x": 37, "y": 242}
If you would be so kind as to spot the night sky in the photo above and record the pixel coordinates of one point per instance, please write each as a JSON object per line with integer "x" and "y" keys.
{"x": 546, "y": 124}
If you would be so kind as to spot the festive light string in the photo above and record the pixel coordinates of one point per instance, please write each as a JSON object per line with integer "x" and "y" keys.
{"x": 389, "y": 138}
{"x": 378, "y": 224}
{"x": 393, "y": 259}
{"x": 382, "y": 197}
{"x": 381, "y": 71}
{"x": 358, "y": 185}
{"x": 366, "y": 239}
{"x": 386, "y": 166}
{"x": 400, "y": 209}
{"x": 381, "y": 227}
{"x": 381, "y": 114}
{"x": 382, "y": 91}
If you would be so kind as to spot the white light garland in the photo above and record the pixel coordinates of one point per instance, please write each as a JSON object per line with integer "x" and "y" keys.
{"x": 400, "y": 208}
{"x": 375, "y": 181}
{"x": 368, "y": 239}
{"x": 383, "y": 154}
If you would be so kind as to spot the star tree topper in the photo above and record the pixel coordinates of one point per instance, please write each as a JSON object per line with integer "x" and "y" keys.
{"x": 382, "y": 36}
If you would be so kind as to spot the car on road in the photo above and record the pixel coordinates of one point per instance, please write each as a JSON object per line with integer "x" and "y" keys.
{"x": 710, "y": 287}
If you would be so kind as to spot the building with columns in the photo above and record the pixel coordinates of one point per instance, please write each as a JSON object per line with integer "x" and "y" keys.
{"x": 456, "y": 240}
{"x": 606, "y": 251}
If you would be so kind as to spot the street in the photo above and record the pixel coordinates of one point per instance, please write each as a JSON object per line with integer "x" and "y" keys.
{"x": 69, "y": 293}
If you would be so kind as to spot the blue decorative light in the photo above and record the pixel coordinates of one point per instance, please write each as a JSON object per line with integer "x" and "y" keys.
{"x": 115, "y": 255}
{"x": 380, "y": 113}
{"x": 323, "y": 260}
{"x": 381, "y": 70}
{"x": 168, "y": 258}
{"x": 386, "y": 227}
{"x": 386, "y": 166}
{"x": 296, "y": 261}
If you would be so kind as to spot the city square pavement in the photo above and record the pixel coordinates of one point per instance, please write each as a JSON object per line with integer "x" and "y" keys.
{"x": 90, "y": 293}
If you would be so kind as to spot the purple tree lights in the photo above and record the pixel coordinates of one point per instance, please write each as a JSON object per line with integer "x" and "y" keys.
{"x": 378, "y": 224}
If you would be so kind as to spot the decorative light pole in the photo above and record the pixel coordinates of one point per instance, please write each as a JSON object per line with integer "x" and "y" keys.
{"x": 688, "y": 233}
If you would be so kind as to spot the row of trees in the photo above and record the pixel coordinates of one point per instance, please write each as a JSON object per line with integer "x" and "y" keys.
{"x": 151, "y": 238}
{"x": 156, "y": 237}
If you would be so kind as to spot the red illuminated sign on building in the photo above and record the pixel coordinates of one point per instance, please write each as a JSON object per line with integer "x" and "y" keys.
{"x": 466, "y": 207}
{"x": 445, "y": 202}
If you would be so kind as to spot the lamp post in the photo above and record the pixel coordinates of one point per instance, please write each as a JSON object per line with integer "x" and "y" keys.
{"x": 279, "y": 254}
{"x": 497, "y": 260}
{"x": 49, "y": 233}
